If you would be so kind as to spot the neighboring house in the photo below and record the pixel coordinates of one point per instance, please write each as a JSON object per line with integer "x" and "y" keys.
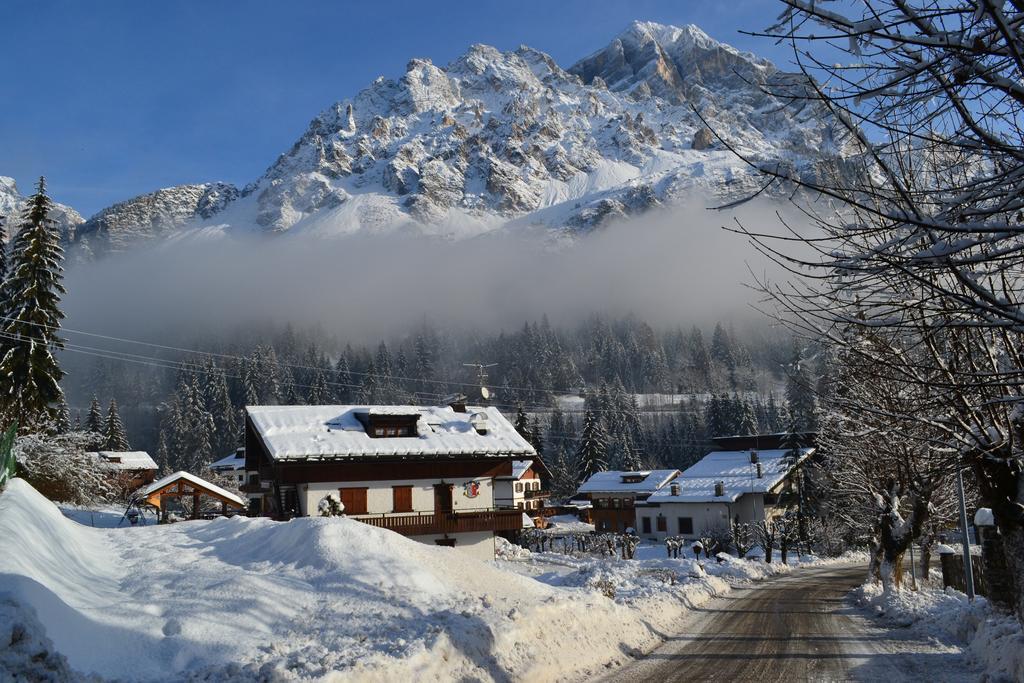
{"x": 724, "y": 487}
{"x": 425, "y": 472}
{"x": 614, "y": 494}
{"x": 522, "y": 489}
{"x": 231, "y": 466}
{"x": 131, "y": 469}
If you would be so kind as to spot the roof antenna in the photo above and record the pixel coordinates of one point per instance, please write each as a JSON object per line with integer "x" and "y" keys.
{"x": 481, "y": 370}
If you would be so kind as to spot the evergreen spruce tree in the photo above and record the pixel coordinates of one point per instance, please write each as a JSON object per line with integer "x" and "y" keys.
{"x": 343, "y": 390}
{"x": 29, "y": 372}
{"x": 78, "y": 421}
{"x": 800, "y": 400}
{"x": 318, "y": 392}
{"x": 218, "y": 404}
{"x": 563, "y": 474}
{"x": 116, "y": 439}
{"x": 592, "y": 454}
{"x": 536, "y": 440}
{"x": 62, "y": 424}
{"x": 369, "y": 393}
{"x": 522, "y": 422}
{"x": 94, "y": 421}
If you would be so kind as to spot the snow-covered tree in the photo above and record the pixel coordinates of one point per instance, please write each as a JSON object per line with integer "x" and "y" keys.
{"x": 62, "y": 423}
{"x": 592, "y": 453}
{"x": 115, "y": 438}
{"x": 29, "y": 372}
{"x": 59, "y": 468}
{"x": 94, "y": 422}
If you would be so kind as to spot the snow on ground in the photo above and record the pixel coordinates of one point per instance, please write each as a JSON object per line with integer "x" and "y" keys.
{"x": 239, "y": 599}
{"x": 994, "y": 640}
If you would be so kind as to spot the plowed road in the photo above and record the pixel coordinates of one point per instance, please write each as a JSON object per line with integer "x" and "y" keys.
{"x": 794, "y": 628}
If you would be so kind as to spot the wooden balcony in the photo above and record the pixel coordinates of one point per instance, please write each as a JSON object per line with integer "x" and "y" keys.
{"x": 422, "y": 524}
{"x": 536, "y": 494}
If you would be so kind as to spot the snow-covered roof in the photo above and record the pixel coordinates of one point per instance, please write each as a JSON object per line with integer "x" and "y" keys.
{"x": 737, "y": 474}
{"x": 614, "y": 481}
{"x": 335, "y": 432}
{"x": 126, "y": 460}
{"x": 193, "y": 479}
{"x": 235, "y": 461}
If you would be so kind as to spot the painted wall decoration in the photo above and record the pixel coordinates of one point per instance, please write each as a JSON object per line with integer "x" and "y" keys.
{"x": 471, "y": 489}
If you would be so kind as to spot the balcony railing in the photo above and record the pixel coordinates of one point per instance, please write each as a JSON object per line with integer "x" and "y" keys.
{"x": 536, "y": 494}
{"x": 447, "y": 522}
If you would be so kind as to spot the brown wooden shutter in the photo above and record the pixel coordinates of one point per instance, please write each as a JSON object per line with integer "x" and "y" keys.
{"x": 354, "y": 500}
{"x": 402, "y": 498}
{"x": 662, "y": 523}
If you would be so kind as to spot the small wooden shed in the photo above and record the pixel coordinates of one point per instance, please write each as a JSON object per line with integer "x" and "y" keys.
{"x": 183, "y": 484}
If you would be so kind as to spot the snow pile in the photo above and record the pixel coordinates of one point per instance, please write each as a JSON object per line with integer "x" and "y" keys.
{"x": 238, "y": 599}
{"x": 993, "y": 639}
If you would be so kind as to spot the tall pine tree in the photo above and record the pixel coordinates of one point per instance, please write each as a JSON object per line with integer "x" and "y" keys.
{"x": 94, "y": 421}
{"x": 116, "y": 438}
{"x": 592, "y": 455}
{"x": 29, "y": 373}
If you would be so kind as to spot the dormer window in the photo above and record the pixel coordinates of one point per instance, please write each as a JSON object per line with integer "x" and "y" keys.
{"x": 633, "y": 478}
{"x": 387, "y": 425}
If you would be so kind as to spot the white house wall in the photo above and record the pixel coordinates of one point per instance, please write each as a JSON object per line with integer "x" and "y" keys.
{"x": 379, "y": 499}
{"x": 749, "y": 508}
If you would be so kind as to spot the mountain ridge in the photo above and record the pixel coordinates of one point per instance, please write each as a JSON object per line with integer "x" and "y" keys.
{"x": 506, "y": 138}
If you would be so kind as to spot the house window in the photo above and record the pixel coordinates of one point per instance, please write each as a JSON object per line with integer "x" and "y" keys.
{"x": 519, "y": 487}
{"x": 686, "y": 526}
{"x": 401, "y": 497}
{"x": 536, "y": 485}
{"x": 627, "y": 502}
{"x": 519, "y": 505}
{"x": 662, "y": 523}
{"x": 378, "y": 431}
{"x": 645, "y": 524}
{"x": 354, "y": 500}
{"x": 616, "y": 502}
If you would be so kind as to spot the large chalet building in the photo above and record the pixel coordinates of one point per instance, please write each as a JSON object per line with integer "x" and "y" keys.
{"x": 426, "y": 472}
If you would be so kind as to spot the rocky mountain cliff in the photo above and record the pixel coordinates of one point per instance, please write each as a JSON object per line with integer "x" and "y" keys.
{"x": 12, "y": 202}
{"x": 497, "y": 139}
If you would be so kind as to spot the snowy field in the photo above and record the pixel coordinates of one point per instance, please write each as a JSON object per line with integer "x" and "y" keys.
{"x": 237, "y": 599}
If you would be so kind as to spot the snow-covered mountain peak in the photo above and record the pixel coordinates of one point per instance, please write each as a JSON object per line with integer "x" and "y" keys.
{"x": 12, "y": 202}
{"x": 496, "y": 138}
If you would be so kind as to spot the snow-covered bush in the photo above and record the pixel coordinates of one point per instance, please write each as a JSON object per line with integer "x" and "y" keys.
{"x": 330, "y": 506}
{"x": 58, "y": 467}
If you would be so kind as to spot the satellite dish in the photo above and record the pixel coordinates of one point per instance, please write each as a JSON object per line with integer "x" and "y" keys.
{"x": 485, "y": 392}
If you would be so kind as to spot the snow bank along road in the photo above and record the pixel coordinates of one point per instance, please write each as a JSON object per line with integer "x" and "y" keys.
{"x": 794, "y": 627}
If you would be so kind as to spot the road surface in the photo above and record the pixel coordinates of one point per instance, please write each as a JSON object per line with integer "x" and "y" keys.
{"x": 794, "y": 628}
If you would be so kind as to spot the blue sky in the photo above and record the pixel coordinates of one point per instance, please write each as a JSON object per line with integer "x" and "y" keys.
{"x": 113, "y": 98}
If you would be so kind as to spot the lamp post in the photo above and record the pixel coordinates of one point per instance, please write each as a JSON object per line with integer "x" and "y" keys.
{"x": 964, "y": 537}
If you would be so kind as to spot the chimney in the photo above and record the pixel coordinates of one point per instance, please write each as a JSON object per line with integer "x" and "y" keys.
{"x": 674, "y": 488}
{"x": 719, "y": 489}
{"x": 456, "y": 402}
{"x": 753, "y": 457}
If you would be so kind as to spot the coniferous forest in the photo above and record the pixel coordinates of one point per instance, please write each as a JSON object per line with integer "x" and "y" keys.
{"x": 658, "y": 396}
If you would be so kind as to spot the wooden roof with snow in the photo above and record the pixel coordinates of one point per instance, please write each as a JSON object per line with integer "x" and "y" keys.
{"x": 339, "y": 432}
{"x": 614, "y": 481}
{"x": 184, "y": 483}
